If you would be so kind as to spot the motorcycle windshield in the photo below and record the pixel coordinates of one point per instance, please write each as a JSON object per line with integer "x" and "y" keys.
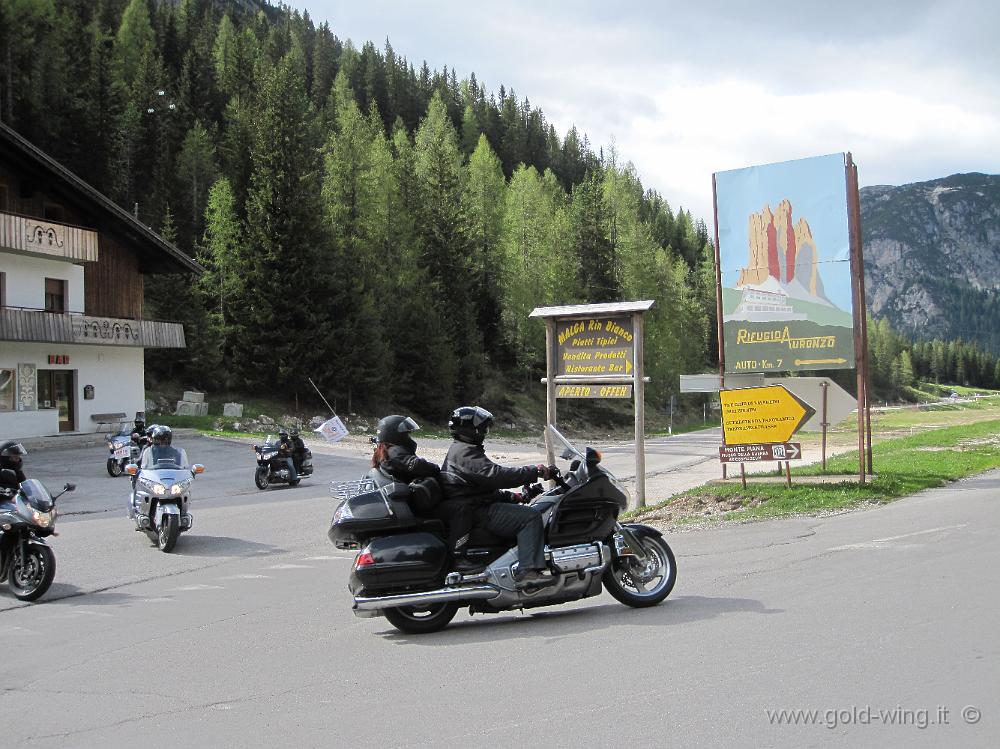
{"x": 36, "y": 495}
{"x": 562, "y": 446}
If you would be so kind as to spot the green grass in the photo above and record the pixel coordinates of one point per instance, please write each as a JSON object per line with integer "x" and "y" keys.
{"x": 903, "y": 466}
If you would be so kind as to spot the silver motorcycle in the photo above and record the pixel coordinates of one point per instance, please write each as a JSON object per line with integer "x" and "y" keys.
{"x": 158, "y": 503}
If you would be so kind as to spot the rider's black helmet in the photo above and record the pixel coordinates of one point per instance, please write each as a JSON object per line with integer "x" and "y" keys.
{"x": 10, "y": 454}
{"x": 294, "y": 433}
{"x": 470, "y": 424}
{"x": 395, "y": 430}
{"x": 161, "y": 435}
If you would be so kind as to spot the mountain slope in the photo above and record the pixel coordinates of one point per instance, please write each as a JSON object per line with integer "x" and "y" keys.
{"x": 932, "y": 257}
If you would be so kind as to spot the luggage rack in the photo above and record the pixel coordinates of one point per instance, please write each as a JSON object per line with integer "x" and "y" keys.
{"x": 347, "y": 489}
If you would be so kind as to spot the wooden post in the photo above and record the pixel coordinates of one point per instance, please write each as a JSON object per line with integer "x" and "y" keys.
{"x": 788, "y": 472}
{"x": 823, "y": 419}
{"x": 550, "y": 387}
{"x": 743, "y": 474}
{"x": 640, "y": 411}
{"x": 853, "y": 219}
{"x": 864, "y": 316}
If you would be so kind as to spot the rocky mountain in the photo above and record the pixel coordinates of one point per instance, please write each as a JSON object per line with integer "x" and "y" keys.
{"x": 932, "y": 257}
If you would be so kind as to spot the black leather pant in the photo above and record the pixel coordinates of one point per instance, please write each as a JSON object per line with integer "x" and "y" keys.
{"x": 516, "y": 521}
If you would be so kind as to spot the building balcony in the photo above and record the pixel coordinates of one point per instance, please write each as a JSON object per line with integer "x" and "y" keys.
{"x": 48, "y": 239}
{"x": 36, "y": 326}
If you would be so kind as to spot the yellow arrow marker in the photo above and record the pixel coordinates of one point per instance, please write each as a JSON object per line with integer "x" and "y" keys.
{"x": 628, "y": 366}
{"x": 803, "y": 362}
{"x": 761, "y": 414}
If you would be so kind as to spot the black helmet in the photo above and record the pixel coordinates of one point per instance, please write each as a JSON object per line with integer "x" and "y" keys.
{"x": 395, "y": 430}
{"x": 282, "y": 433}
{"x": 161, "y": 435}
{"x": 10, "y": 454}
{"x": 294, "y": 433}
{"x": 470, "y": 424}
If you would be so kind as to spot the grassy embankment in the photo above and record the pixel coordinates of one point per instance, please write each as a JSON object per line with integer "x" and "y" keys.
{"x": 914, "y": 449}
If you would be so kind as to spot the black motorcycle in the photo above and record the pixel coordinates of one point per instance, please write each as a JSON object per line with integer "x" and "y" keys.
{"x": 403, "y": 569}
{"x": 272, "y": 464}
{"x": 27, "y": 516}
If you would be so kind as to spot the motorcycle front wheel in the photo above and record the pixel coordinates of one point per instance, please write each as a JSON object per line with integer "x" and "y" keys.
{"x": 30, "y": 578}
{"x": 641, "y": 583}
{"x": 166, "y": 536}
{"x": 417, "y": 620}
{"x": 260, "y": 478}
{"x": 115, "y": 467}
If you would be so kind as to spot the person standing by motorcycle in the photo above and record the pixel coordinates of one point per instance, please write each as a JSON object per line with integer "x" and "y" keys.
{"x": 472, "y": 481}
{"x": 286, "y": 451}
{"x": 162, "y": 450}
{"x": 396, "y": 450}
{"x": 11, "y": 454}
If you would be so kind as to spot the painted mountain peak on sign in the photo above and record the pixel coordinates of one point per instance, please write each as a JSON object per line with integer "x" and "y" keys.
{"x": 782, "y": 256}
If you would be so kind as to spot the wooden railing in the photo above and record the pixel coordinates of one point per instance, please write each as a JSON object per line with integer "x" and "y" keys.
{"x": 52, "y": 327}
{"x": 47, "y": 238}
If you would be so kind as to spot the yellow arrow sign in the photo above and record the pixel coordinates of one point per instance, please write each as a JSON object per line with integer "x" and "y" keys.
{"x": 761, "y": 414}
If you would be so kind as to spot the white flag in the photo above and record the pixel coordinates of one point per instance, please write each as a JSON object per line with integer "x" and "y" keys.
{"x": 332, "y": 430}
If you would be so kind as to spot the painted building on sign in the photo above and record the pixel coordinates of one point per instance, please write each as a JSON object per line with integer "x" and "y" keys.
{"x": 72, "y": 331}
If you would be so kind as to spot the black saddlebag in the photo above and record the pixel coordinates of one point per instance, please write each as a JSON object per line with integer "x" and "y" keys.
{"x": 402, "y": 560}
{"x": 384, "y": 510}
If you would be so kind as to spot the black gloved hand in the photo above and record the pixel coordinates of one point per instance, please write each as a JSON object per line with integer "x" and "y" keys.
{"x": 546, "y": 472}
{"x": 531, "y": 491}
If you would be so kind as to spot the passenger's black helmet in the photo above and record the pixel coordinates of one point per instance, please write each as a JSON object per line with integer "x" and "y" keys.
{"x": 395, "y": 430}
{"x": 161, "y": 434}
{"x": 470, "y": 424}
{"x": 10, "y": 454}
{"x": 294, "y": 433}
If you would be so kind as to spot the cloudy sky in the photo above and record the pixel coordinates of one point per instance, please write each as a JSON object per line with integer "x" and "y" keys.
{"x": 685, "y": 89}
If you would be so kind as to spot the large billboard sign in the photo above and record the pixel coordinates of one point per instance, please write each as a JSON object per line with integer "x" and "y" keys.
{"x": 784, "y": 262}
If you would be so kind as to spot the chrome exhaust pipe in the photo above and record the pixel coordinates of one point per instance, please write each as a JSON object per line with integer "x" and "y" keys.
{"x": 425, "y": 598}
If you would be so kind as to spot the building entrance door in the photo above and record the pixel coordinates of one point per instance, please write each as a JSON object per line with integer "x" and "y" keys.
{"x": 55, "y": 390}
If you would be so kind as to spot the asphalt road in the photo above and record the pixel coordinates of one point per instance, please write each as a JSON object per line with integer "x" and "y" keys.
{"x": 881, "y": 621}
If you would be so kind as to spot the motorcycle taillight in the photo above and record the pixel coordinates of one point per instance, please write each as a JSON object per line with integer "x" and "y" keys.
{"x": 363, "y": 559}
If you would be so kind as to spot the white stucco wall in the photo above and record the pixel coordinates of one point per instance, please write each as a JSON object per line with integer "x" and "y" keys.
{"x": 25, "y": 281}
{"x": 116, "y": 372}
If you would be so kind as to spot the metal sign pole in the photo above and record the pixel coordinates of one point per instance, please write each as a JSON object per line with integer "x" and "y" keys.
{"x": 640, "y": 411}
{"x": 718, "y": 297}
{"x": 824, "y": 423}
{"x": 859, "y": 313}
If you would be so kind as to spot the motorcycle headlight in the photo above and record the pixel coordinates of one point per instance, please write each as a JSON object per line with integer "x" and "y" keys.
{"x": 42, "y": 519}
{"x": 180, "y": 488}
{"x": 154, "y": 486}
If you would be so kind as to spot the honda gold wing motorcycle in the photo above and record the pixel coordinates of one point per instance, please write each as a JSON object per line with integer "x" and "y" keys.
{"x": 403, "y": 569}
{"x": 272, "y": 467}
{"x": 121, "y": 451}
{"x": 158, "y": 504}
{"x": 27, "y": 518}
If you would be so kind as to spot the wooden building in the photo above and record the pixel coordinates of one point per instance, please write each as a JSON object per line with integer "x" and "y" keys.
{"x": 72, "y": 331}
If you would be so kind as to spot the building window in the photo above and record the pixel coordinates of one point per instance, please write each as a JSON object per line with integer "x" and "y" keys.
{"x": 55, "y": 295}
{"x": 6, "y": 389}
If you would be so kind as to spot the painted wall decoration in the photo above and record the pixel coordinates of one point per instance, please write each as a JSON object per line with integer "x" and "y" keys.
{"x": 784, "y": 255}
{"x": 27, "y": 387}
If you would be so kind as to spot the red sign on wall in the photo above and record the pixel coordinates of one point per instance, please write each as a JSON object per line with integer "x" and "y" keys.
{"x": 58, "y": 358}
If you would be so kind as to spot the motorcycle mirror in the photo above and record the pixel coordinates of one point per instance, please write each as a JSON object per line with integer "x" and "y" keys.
{"x": 197, "y": 468}
{"x": 68, "y": 487}
{"x": 131, "y": 469}
{"x": 574, "y": 465}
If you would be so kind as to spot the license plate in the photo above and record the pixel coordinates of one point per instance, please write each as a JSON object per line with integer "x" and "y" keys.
{"x": 122, "y": 452}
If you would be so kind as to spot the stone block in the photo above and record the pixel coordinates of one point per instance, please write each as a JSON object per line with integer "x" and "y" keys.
{"x": 187, "y": 408}
{"x": 232, "y": 409}
{"x": 192, "y": 397}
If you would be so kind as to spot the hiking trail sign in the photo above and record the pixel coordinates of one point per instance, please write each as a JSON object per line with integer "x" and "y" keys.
{"x": 769, "y": 414}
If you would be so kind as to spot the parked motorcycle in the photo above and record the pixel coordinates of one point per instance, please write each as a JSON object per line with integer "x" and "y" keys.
{"x": 403, "y": 569}
{"x": 27, "y": 517}
{"x": 158, "y": 504}
{"x": 122, "y": 451}
{"x": 272, "y": 464}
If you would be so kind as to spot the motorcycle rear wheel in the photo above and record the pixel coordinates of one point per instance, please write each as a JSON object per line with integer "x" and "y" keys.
{"x": 260, "y": 478}
{"x": 421, "y": 620}
{"x": 30, "y": 578}
{"x": 166, "y": 536}
{"x": 621, "y": 578}
{"x": 115, "y": 467}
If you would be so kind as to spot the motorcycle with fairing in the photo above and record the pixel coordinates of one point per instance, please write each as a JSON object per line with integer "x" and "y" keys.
{"x": 158, "y": 504}
{"x": 272, "y": 464}
{"x": 403, "y": 569}
{"x": 27, "y": 518}
{"x": 122, "y": 450}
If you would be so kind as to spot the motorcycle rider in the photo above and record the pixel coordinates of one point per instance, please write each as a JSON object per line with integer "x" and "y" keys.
{"x": 286, "y": 449}
{"x": 298, "y": 449}
{"x": 10, "y": 458}
{"x": 396, "y": 451}
{"x": 162, "y": 450}
{"x": 473, "y": 481}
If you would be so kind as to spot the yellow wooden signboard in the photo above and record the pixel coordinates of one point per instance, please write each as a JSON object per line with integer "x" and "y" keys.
{"x": 761, "y": 414}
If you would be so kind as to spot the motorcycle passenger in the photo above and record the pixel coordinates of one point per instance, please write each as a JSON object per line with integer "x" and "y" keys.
{"x": 10, "y": 458}
{"x": 471, "y": 481}
{"x": 162, "y": 450}
{"x": 286, "y": 451}
{"x": 298, "y": 449}
{"x": 396, "y": 451}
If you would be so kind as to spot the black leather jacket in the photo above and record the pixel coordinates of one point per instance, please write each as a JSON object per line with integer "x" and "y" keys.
{"x": 10, "y": 487}
{"x": 404, "y": 465}
{"x": 467, "y": 475}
